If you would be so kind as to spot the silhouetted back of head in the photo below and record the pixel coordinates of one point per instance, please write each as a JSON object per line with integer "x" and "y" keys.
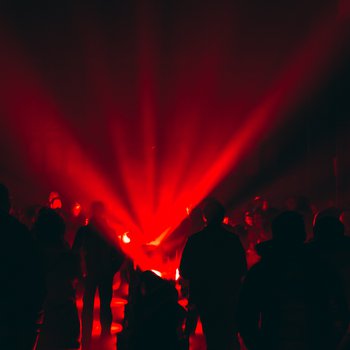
{"x": 329, "y": 212}
{"x": 50, "y": 226}
{"x": 196, "y": 214}
{"x": 213, "y": 211}
{"x": 288, "y": 228}
{"x": 4, "y": 199}
{"x": 97, "y": 210}
{"x": 328, "y": 228}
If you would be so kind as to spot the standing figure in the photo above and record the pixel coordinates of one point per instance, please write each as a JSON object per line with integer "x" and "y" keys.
{"x": 331, "y": 245}
{"x": 101, "y": 259}
{"x": 61, "y": 327}
{"x": 22, "y": 289}
{"x": 291, "y": 299}
{"x": 214, "y": 262}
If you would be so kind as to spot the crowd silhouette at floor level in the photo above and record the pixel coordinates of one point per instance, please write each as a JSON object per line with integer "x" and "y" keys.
{"x": 290, "y": 295}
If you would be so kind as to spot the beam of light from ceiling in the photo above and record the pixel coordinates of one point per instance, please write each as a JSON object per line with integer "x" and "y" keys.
{"x": 309, "y": 65}
{"x": 189, "y": 171}
{"x": 31, "y": 113}
{"x": 174, "y": 162}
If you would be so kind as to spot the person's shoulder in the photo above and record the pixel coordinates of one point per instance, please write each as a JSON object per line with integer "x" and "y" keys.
{"x": 18, "y": 235}
{"x": 16, "y": 226}
{"x": 195, "y": 240}
{"x": 10, "y": 220}
{"x": 197, "y": 236}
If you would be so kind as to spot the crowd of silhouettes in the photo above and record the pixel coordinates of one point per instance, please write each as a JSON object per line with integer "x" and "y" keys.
{"x": 291, "y": 299}
{"x": 41, "y": 273}
{"x": 277, "y": 280}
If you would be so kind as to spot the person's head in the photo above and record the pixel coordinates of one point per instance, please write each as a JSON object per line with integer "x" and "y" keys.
{"x": 5, "y": 203}
{"x": 328, "y": 228}
{"x": 55, "y": 201}
{"x": 329, "y": 212}
{"x": 49, "y": 226}
{"x": 196, "y": 216}
{"x": 97, "y": 210}
{"x": 213, "y": 211}
{"x": 288, "y": 228}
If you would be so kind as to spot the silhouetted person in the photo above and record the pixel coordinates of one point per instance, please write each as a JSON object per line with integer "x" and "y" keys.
{"x": 61, "y": 327}
{"x": 303, "y": 206}
{"x": 291, "y": 299}
{"x": 214, "y": 262}
{"x": 22, "y": 288}
{"x": 157, "y": 316}
{"x": 331, "y": 245}
{"x": 102, "y": 258}
{"x": 75, "y": 219}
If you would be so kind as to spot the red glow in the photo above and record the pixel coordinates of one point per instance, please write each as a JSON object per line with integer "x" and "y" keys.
{"x": 76, "y": 210}
{"x": 116, "y": 302}
{"x": 96, "y": 328}
{"x": 56, "y": 204}
{"x": 185, "y": 138}
{"x": 55, "y": 200}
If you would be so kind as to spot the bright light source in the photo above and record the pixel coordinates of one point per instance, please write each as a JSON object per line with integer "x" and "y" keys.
{"x": 125, "y": 238}
{"x": 177, "y": 275}
{"x": 156, "y": 272}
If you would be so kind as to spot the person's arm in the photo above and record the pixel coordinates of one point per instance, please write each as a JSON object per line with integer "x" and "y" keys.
{"x": 117, "y": 258}
{"x": 185, "y": 263}
{"x": 242, "y": 258}
{"x": 76, "y": 268}
{"x": 78, "y": 251}
{"x": 79, "y": 240}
